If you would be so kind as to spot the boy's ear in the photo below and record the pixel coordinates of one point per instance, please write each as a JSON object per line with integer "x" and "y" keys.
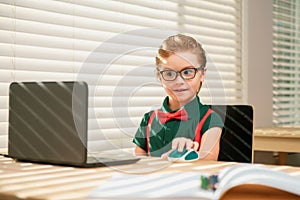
{"x": 158, "y": 77}
{"x": 200, "y": 86}
{"x": 203, "y": 74}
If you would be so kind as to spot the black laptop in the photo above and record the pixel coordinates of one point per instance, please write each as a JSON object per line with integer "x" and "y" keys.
{"x": 48, "y": 123}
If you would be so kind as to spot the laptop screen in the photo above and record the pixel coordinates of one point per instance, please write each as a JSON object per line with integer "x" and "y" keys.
{"x": 48, "y": 121}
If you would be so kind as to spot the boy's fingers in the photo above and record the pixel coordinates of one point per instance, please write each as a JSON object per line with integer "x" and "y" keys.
{"x": 181, "y": 145}
{"x": 188, "y": 144}
{"x": 165, "y": 155}
{"x": 195, "y": 146}
{"x": 175, "y": 144}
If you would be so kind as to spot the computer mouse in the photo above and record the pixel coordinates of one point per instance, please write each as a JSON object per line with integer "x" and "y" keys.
{"x": 184, "y": 156}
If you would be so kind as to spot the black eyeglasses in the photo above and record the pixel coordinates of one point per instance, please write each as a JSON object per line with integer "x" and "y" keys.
{"x": 186, "y": 73}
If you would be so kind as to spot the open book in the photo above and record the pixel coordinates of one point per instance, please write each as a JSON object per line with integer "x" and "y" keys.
{"x": 187, "y": 185}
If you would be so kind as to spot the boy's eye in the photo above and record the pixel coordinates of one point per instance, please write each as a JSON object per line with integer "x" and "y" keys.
{"x": 187, "y": 71}
{"x": 169, "y": 73}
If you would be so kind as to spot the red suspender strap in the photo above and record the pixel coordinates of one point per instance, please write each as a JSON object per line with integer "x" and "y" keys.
{"x": 197, "y": 132}
{"x": 199, "y": 127}
{"x": 148, "y": 131}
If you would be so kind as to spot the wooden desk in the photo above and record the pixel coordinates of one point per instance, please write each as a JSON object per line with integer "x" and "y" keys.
{"x": 278, "y": 139}
{"x": 20, "y": 180}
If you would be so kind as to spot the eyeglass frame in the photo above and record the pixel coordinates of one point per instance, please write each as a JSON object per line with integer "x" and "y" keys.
{"x": 201, "y": 68}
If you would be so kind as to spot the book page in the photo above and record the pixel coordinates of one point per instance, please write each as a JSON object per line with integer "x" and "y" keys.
{"x": 187, "y": 185}
{"x": 157, "y": 185}
{"x": 253, "y": 174}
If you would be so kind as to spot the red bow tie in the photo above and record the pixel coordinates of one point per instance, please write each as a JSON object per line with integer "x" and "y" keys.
{"x": 166, "y": 116}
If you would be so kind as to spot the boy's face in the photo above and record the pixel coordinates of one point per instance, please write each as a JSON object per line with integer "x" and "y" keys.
{"x": 181, "y": 91}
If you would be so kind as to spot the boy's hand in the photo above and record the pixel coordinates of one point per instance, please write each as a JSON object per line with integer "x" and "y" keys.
{"x": 180, "y": 143}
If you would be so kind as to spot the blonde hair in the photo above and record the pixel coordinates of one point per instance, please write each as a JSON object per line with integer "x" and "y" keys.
{"x": 180, "y": 43}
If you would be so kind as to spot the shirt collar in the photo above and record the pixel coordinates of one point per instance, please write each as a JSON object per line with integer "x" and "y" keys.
{"x": 191, "y": 108}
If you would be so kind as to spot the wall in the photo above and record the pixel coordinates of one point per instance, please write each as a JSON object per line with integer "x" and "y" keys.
{"x": 257, "y": 26}
{"x": 257, "y": 35}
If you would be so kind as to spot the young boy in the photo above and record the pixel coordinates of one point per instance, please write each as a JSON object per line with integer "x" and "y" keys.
{"x": 182, "y": 122}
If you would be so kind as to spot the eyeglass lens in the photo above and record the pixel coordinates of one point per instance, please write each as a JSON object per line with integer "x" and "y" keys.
{"x": 170, "y": 75}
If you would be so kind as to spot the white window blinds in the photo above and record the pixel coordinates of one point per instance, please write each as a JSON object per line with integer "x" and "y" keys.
{"x": 286, "y": 62}
{"x": 111, "y": 45}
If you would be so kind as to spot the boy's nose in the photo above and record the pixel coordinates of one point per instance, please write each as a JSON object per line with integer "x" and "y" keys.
{"x": 179, "y": 79}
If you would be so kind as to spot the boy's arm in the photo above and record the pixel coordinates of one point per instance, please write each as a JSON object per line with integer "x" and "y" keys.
{"x": 210, "y": 144}
{"x": 140, "y": 136}
{"x": 138, "y": 151}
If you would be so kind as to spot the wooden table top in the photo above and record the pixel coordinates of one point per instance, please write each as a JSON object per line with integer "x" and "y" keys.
{"x": 23, "y": 180}
{"x": 284, "y": 132}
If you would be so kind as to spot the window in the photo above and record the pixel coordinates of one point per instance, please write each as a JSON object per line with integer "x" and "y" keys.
{"x": 286, "y": 62}
{"x": 111, "y": 45}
